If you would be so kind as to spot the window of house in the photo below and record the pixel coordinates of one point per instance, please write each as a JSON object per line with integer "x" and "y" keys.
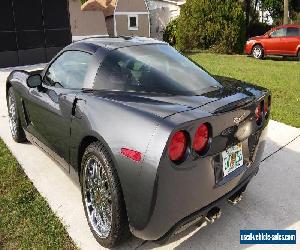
{"x": 133, "y": 22}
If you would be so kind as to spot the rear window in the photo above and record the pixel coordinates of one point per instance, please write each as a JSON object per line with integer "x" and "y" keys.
{"x": 152, "y": 68}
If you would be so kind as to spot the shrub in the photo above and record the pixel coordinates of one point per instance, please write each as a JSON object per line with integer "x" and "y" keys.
{"x": 217, "y": 25}
{"x": 169, "y": 35}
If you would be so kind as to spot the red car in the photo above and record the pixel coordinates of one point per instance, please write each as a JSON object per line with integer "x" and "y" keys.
{"x": 283, "y": 40}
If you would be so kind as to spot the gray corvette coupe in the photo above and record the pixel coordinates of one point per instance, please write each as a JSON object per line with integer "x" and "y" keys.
{"x": 156, "y": 141}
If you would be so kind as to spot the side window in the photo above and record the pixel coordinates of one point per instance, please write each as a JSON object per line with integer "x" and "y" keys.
{"x": 133, "y": 22}
{"x": 293, "y": 31}
{"x": 68, "y": 70}
{"x": 279, "y": 33}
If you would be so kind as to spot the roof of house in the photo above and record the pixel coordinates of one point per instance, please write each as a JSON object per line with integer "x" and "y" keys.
{"x": 176, "y": 2}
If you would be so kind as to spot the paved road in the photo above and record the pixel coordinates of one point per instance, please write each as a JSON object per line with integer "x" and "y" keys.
{"x": 272, "y": 200}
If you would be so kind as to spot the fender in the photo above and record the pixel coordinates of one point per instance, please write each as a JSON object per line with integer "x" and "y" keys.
{"x": 113, "y": 124}
{"x": 298, "y": 50}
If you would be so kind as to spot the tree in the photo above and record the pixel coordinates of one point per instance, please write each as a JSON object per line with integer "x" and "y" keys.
{"x": 286, "y": 12}
{"x": 247, "y": 14}
{"x": 276, "y": 9}
{"x": 251, "y": 14}
{"x": 216, "y": 25}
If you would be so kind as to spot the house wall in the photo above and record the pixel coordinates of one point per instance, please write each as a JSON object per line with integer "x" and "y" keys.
{"x": 110, "y": 25}
{"x": 122, "y": 26}
{"x": 84, "y": 23}
{"x": 125, "y": 8}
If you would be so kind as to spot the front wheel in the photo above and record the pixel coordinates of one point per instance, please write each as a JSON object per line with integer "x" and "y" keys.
{"x": 102, "y": 197}
{"x": 15, "y": 126}
{"x": 258, "y": 52}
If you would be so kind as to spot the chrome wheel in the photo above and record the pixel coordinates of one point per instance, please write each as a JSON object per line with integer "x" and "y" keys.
{"x": 257, "y": 52}
{"x": 97, "y": 196}
{"x": 12, "y": 113}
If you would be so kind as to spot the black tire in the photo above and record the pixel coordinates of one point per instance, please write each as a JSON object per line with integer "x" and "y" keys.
{"x": 16, "y": 129}
{"x": 258, "y": 52}
{"x": 119, "y": 229}
{"x": 298, "y": 55}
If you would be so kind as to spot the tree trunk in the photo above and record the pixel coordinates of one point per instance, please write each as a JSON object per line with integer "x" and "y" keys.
{"x": 247, "y": 10}
{"x": 255, "y": 5}
{"x": 286, "y": 12}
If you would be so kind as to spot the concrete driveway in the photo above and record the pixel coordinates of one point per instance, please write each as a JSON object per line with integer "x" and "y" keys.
{"x": 272, "y": 200}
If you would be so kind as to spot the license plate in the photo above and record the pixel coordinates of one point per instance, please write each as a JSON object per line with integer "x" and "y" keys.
{"x": 232, "y": 159}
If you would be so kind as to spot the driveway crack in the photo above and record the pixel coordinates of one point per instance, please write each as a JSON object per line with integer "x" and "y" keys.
{"x": 279, "y": 149}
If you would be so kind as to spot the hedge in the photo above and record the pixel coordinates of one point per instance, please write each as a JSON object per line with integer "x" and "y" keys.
{"x": 217, "y": 25}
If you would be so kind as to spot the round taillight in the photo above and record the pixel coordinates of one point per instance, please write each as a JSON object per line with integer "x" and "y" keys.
{"x": 258, "y": 117}
{"x": 178, "y": 146}
{"x": 201, "y": 138}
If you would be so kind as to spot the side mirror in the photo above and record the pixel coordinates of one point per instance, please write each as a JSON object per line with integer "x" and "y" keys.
{"x": 34, "y": 81}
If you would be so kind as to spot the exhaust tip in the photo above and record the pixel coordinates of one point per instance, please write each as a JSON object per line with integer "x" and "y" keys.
{"x": 213, "y": 214}
{"x": 235, "y": 200}
{"x": 237, "y": 197}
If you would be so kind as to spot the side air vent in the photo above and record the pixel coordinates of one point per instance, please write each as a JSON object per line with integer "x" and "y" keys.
{"x": 26, "y": 117}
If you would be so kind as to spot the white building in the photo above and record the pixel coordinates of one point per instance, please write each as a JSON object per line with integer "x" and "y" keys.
{"x": 161, "y": 13}
{"x": 264, "y": 15}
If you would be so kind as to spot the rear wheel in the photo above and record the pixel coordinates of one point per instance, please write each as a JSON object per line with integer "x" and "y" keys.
{"x": 258, "y": 52}
{"x": 298, "y": 55}
{"x": 102, "y": 197}
{"x": 16, "y": 129}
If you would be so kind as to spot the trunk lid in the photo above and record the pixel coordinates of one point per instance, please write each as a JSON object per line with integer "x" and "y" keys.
{"x": 163, "y": 105}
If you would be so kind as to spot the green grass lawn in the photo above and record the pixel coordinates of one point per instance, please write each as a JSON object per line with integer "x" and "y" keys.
{"x": 26, "y": 220}
{"x": 281, "y": 77}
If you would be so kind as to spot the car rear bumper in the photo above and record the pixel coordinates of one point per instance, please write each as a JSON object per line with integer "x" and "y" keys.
{"x": 184, "y": 194}
{"x": 196, "y": 216}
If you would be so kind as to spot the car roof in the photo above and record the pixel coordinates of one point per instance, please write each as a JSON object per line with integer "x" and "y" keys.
{"x": 112, "y": 43}
{"x": 288, "y": 26}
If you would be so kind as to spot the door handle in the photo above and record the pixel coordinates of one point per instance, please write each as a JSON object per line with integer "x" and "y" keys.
{"x": 76, "y": 111}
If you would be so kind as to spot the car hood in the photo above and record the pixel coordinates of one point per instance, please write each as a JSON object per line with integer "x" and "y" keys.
{"x": 163, "y": 105}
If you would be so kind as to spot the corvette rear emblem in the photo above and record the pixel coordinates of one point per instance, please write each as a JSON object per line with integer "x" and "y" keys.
{"x": 237, "y": 120}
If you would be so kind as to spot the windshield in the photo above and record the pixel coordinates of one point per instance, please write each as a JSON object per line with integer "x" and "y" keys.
{"x": 152, "y": 68}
